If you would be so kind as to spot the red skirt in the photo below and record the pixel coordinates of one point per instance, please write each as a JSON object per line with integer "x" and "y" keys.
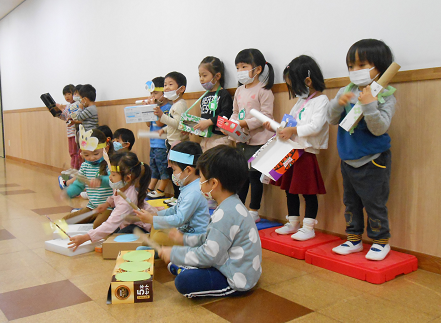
{"x": 303, "y": 177}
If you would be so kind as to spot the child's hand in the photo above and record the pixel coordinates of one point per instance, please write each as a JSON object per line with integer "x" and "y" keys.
{"x": 164, "y": 253}
{"x": 204, "y": 124}
{"x": 76, "y": 241}
{"x": 286, "y": 133}
{"x": 267, "y": 126}
{"x": 243, "y": 124}
{"x": 185, "y": 133}
{"x": 145, "y": 216}
{"x": 102, "y": 207}
{"x": 176, "y": 235}
{"x": 224, "y": 132}
{"x": 95, "y": 182}
{"x": 161, "y": 131}
{"x": 366, "y": 96}
{"x": 158, "y": 112}
{"x": 344, "y": 99}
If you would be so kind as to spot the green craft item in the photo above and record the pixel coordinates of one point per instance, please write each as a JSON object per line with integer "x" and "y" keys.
{"x": 138, "y": 255}
{"x": 132, "y": 276}
{"x": 135, "y": 266}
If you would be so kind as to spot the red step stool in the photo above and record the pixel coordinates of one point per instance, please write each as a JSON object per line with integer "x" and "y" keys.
{"x": 357, "y": 266}
{"x": 284, "y": 245}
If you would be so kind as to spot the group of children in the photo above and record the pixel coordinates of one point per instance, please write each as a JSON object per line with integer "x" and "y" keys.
{"x": 220, "y": 254}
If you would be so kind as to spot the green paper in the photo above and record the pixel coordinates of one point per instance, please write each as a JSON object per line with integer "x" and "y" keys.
{"x": 138, "y": 255}
{"x": 132, "y": 276}
{"x": 135, "y": 266}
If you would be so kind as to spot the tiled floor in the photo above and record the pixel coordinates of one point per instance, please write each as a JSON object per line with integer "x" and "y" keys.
{"x": 40, "y": 286}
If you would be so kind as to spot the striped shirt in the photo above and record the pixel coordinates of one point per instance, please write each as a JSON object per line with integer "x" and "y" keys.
{"x": 97, "y": 195}
{"x": 89, "y": 116}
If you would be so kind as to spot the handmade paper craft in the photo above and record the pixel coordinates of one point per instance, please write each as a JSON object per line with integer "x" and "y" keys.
{"x": 126, "y": 238}
{"x": 137, "y": 255}
{"x": 135, "y": 266}
{"x": 132, "y": 276}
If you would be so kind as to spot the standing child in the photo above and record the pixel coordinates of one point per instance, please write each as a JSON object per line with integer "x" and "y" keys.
{"x": 305, "y": 81}
{"x": 226, "y": 259}
{"x": 257, "y": 77}
{"x": 190, "y": 214}
{"x": 88, "y": 116}
{"x": 126, "y": 173}
{"x": 365, "y": 151}
{"x": 92, "y": 144}
{"x": 216, "y": 103}
{"x": 174, "y": 88}
{"x": 158, "y": 150}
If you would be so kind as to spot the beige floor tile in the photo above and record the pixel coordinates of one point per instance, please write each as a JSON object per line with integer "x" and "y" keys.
{"x": 3, "y": 318}
{"x": 314, "y": 318}
{"x": 288, "y": 261}
{"x": 19, "y": 259}
{"x": 368, "y": 308}
{"x": 191, "y": 315}
{"x": 284, "y": 273}
{"x": 12, "y": 245}
{"x": 427, "y": 279}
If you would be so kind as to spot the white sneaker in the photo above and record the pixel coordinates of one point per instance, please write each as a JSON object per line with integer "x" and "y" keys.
{"x": 307, "y": 232}
{"x": 170, "y": 200}
{"x": 347, "y": 248}
{"x": 255, "y": 216}
{"x": 292, "y": 226}
{"x": 378, "y": 252}
{"x": 84, "y": 195}
{"x": 155, "y": 194}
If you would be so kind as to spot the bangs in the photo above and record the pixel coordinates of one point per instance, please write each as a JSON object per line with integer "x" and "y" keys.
{"x": 244, "y": 56}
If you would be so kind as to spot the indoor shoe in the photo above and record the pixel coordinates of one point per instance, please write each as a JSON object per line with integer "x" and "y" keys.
{"x": 155, "y": 194}
{"x": 378, "y": 252}
{"x": 292, "y": 226}
{"x": 303, "y": 234}
{"x": 170, "y": 200}
{"x": 176, "y": 270}
{"x": 255, "y": 216}
{"x": 61, "y": 183}
{"x": 84, "y": 195}
{"x": 348, "y": 248}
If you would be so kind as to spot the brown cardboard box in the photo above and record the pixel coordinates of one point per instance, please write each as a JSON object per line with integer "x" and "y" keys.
{"x": 111, "y": 248}
{"x": 128, "y": 292}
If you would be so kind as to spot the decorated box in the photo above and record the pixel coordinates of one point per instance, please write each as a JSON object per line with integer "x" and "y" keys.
{"x": 140, "y": 113}
{"x": 187, "y": 123}
{"x": 233, "y": 129}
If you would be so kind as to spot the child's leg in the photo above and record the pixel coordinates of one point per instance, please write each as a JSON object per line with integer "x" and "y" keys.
{"x": 243, "y": 192}
{"x": 311, "y": 207}
{"x": 256, "y": 190}
{"x": 71, "y": 217}
{"x": 130, "y": 228}
{"x": 154, "y": 169}
{"x": 293, "y": 224}
{"x": 100, "y": 218}
{"x": 72, "y": 151}
{"x": 161, "y": 163}
{"x": 203, "y": 282}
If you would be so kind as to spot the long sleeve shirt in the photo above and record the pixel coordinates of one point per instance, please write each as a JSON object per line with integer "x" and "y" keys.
{"x": 89, "y": 117}
{"x": 70, "y": 111}
{"x": 224, "y": 107}
{"x": 172, "y": 122}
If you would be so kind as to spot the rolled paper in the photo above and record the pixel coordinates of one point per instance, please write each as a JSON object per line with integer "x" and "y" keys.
{"x": 124, "y": 196}
{"x": 141, "y": 102}
{"x": 151, "y": 134}
{"x": 388, "y": 75}
{"x": 138, "y": 232}
{"x": 263, "y": 118}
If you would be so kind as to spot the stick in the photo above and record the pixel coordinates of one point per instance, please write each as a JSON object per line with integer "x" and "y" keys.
{"x": 151, "y": 134}
{"x": 124, "y": 196}
{"x": 83, "y": 179}
{"x": 58, "y": 226}
{"x": 138, "y": 232}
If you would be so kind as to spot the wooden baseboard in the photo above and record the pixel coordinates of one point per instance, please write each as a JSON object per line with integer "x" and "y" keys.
{"x": 30, "y": 162}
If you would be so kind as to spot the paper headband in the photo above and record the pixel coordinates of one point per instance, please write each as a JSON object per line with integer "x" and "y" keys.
{"x": 117, "y": 169}
{"x": 179, "y": 157}
{"x": 150, "y": 87}
{"x": 87, "y": 142}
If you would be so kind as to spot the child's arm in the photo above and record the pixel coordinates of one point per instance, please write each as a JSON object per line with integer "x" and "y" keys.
{"x": 86, "y": 113}
{"x": 75, "y": 188}
{"x": 176, "y": 216}
{"x": 225, "y": 107}
{"x": 318, "y": 120}
{"x": 378, "y": 116}
{"x": 173, "y": 119}
{"x": 336, "y": 106}
{"x": 266, "y": 99}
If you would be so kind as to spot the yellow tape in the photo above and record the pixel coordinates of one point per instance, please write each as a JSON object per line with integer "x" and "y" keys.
{"x": 114, "y": 169}
{"x": 373, "y": 162}
{"x": 159, "y": 89}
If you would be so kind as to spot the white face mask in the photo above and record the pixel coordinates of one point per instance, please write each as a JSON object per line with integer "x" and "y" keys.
{"x": 177, "y": 179}
{"x": 117, "y": 185}
{"x": 244, "y": 78}
{"x": 361, "y": 77}
{"x": 171, "y": 95}
{"x": 206, "y": 195}
{"x": 77, "y": 98}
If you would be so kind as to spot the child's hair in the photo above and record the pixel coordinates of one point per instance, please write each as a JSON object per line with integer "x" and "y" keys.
{"x": 214, "y": 65}
{"x": 70, "y": 88}
{"x": 126, "y": 135}
{"x": 227, "y": 164}
{"x": 191, "y": 148}
{"x": 376, "y": 52}
{"x": 88, "y": 91}
{"x": 179, "y": 78}
{"x": 98, "y": 134}
{"x": 129, "y": 164}
{"x": 108, "y": 133}
{"x": 255, "y": 58}
{"x": 298, "y": 70}
{"x": 158, "y": 81}
{"x": 78, "y": 87}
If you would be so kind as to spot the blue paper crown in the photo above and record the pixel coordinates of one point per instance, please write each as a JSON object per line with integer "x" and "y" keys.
{"x": 179, "y": 157}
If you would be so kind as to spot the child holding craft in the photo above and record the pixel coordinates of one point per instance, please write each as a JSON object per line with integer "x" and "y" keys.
{"x": 305, "y": 81}
{"x": 190, "y": 214}
{"x": 217, "y": 102}
{"x": 126, "y": 172}
{"x": 257, "y": 78}
{"x": 93, "y": 171}
{"x": 226, "y": 259}
{"x": 365, "y": 149}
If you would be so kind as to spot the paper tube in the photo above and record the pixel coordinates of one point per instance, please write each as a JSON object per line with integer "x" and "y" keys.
{"x": 388, "y": 74}
{"x": 151, "y": 134}
{"x": 141, "y": 101}
{"x": 263, "y": 118}
{"x": 124, "y": 196}
{"x": 138, "y": 232}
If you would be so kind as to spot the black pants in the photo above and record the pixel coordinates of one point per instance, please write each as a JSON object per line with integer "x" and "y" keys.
{"x": 293, "y": 202}
{"x": 256, "y": 190}
{"x": 176, "y": 190}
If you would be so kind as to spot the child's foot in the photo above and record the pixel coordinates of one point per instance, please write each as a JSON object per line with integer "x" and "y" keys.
{"x": 378, "y": 252}
{"x": 84, "y": 195}
{"x": 170, "y": 200}
{"x": 61, "y": 182}
{"x": 155, "y": 194}
{"x": 176, "y": 270}
{"x": 292, "y": 226}
{"x": 348, "y": 247}
{"x": 255, "y": 216}
{"x": 307, "y": 231}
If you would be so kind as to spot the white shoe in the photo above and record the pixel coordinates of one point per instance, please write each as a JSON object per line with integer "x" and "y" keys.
{"x": 378, "y": 252}
{"x": 292, "y": 226}
{"x": 170, "y": 200}
{"x": 307, "y": 231}
{"x": 155, "y": 194}
{"x": 347, "y": 248}
{"x": 84, "y": 195}
{"x": 255, "y": 216}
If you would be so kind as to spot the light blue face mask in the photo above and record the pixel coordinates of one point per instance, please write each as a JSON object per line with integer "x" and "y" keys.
{"x": 117, "y": 145}
{"x": 96, "y": 162}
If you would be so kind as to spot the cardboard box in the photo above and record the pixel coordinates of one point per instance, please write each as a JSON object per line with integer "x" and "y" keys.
{"x": 129, "y": 292}
{"x": 233, "y": 129}
{"x": 111, "y": 248}
{"x": 140, "y": 113}
{"x": 275, "y": 157}
{"x": 187, "y": 123}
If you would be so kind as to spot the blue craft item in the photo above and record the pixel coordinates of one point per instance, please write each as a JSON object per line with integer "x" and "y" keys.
{"x": 126, "y": 238}
{"x": 179, "y": 157}
{"x": 290, "y": 120}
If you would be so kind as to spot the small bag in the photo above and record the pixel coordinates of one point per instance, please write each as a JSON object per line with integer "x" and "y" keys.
{"x": 50, "y": 104}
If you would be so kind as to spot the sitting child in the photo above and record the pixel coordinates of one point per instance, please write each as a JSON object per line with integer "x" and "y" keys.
{"x": 227, "y": 257}
{"x": 123, "y": 140}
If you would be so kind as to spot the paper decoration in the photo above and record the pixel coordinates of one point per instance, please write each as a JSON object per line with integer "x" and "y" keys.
{"x": 126, "y": 238}
{"x": 135, "y": 266}
{"x": 137, "y": 255}
{"x": 132, "y": 276}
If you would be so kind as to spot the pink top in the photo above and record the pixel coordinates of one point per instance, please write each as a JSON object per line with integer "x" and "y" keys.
{"x": 116, "y": 218}
{"x": 254, "y": 98}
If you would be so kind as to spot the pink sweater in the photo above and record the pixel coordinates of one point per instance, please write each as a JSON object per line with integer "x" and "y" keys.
{"x": 116, "y": 218}
{"x": 254, "y": 98}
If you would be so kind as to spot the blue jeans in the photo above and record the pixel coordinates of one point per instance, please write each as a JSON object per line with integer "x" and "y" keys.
{"x": 158, "y": 163}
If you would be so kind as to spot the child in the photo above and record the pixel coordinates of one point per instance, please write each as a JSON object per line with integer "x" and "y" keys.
{"x": 126, "y": 171}
{"x": 226, "y": 259}
{"x": 123, "y": 140}
{"x": 92, "y": 144}
{"x": 174, "y": 87}
{"x": 305, "y": 81}
{"x": 109, "y": 135}
{"x": 88, "y": 116}
{"x": 365, "y": 151}
{"x": 158, "y": 150}
{"x": 190, "y": 214}
{"x": 217, "y": 102}
{"x": 257, "y": 77}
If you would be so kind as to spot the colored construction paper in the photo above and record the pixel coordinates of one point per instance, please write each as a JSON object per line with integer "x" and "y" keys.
{"x": 135, "y": 266}
{"x": 137, "y": 255}
{"x": 132, "y": 276}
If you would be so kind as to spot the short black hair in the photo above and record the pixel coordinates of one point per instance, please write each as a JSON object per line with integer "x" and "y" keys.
{"x": 227, "y": 164}
{"x": 179, "y": 78}
{"x": 159, "y": 81}
{"x": 255, "y": 58}
{"x": 78, "y": 87}
{"x": 376, "y": 52}
{"x": 298, "y": 70}
{"x": 106, "y": 130}
{"x": 191, "y": 148}
{"x": 88, "y": 91}
{"x": 70, "y": 88}
{"x": 214, "y": 65}
{"x": 126, "y": 135}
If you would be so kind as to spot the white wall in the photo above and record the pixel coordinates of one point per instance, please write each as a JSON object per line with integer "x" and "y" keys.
{"x": 117, "y": 45}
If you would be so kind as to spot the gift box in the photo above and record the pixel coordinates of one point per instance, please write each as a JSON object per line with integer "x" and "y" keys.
{"x": 140, "y": 113}
{"x": 187, "y": 123}
{"x": 233, "y": 129}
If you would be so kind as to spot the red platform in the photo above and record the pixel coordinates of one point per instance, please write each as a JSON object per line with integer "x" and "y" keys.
{"x": 357, "y": 266}
{"x": 286, "y": 246}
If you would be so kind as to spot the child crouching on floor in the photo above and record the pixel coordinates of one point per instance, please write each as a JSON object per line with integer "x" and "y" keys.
{"x": 225, "y": 260}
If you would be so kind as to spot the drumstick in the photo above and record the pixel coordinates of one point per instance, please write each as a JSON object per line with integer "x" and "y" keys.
{"x": 83, "y": 179}
{"x": 124, "y": 196}
{"x": 58, "y": 226}
{"x": 138, "y": 232}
